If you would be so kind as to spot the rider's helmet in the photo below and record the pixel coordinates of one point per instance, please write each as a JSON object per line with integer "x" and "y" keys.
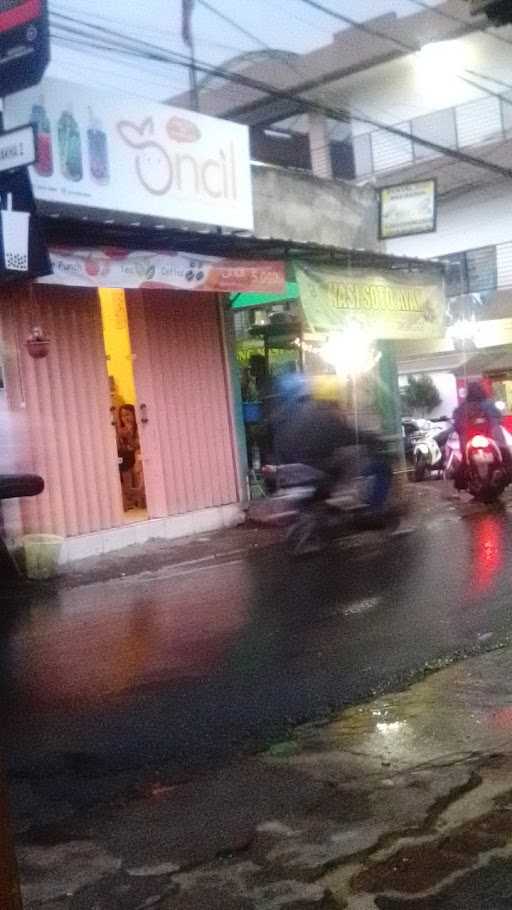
{"x": 294, "y": 387}
{"x": 476, "y": 392}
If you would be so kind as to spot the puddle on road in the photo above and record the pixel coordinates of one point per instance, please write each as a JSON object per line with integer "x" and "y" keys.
{"x": 422, "y": 724}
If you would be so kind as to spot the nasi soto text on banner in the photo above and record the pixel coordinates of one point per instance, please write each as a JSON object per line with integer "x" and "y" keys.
{"x": 408, "y": 306}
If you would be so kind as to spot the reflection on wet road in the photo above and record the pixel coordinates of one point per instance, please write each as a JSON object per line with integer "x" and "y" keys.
{"x": 187, "y": 665}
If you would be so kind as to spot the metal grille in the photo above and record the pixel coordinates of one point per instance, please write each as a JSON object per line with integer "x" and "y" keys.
{"x": 390, "y": 151}
{"x": 479, "y": 121}
{"x": 471, "y": 271}
{"x": 474, "y": 123}
{"x": 506, "y": 108}
{"x": 504, "y": 264}
{"x": 438, "y": 127}
{"x": 363, "y": 155}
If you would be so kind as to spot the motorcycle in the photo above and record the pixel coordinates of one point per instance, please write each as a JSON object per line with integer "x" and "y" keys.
{"x": 365, "y": 502}
{"x": 486, "y": 473}
{"x": 426, "y": 449}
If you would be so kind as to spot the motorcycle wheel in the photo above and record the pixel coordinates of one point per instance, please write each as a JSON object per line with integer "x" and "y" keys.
{"x": 303, "y": 537}
{"x": 420, "y": 468}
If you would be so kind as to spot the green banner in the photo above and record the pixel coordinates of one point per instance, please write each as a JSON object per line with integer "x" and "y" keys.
{"x": 405, "y": 306}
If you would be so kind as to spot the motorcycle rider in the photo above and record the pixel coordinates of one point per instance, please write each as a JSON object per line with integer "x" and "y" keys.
{"x": 477, "y": 405}
{"x": 316, "y": 433}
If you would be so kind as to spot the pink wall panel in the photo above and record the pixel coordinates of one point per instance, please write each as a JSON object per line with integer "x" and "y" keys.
{"x": 180, "y": 376}
{"x": 67, "y": 403}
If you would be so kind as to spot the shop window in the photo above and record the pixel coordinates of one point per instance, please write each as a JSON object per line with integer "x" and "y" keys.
{"x": 281, "y": 147}
{"x": 342, "y": 158}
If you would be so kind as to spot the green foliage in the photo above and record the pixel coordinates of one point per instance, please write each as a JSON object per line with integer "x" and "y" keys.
{"x": 420, "y": 396}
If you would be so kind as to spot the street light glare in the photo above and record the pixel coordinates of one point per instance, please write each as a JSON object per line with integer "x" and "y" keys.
{"x": 436, "y": 63}
{"x": 445, "y": 57}
{"x": 350, "y": 352}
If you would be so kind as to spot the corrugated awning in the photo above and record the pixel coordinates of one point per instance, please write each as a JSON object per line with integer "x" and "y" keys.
{"x": 62, "y": 232}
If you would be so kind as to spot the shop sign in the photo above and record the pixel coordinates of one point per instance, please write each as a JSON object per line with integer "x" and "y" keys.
{"x": 119, "y": 268}
{"x": 24, "y": 44}
{"x": 17, "y": 148}
{"x": 407, "y": 208}
{"x": 407, "y": 306}
{"x": 23, "y": 252}
{"x": 122, "y": 154}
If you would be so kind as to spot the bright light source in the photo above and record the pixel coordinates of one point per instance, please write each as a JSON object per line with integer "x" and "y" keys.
{"x": 437, "y": 65}
{"x": 389, "y": 729}
{"x": 445, "y": 55}
{"x": 350, "y": 352}
{"x": 479, "y": 442}
{"x": 501, "y": 406}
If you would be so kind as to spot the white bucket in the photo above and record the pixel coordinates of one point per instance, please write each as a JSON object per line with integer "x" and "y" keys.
{"x": 42, "y": 553}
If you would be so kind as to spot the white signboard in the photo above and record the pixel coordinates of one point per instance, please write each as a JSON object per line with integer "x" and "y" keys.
{"x": 408, "y": 208}
{"x": 17, "y": 148}
{"x": 127, "y": 155}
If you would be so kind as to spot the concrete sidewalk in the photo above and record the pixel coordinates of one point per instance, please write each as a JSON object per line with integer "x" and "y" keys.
{"x": 405, "y": 802}
{"x": 424, "y": 502}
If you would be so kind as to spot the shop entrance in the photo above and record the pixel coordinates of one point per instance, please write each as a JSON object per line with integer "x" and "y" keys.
{"x": 124, "y": 404}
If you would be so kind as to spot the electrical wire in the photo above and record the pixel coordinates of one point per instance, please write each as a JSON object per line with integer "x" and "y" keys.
{"x": 151, "y": 51}
{"x": 213, "y": 9}
{"x": 471, "y": 30}
{"x": 294, "y": 66}
{"x": 230, "y": 21}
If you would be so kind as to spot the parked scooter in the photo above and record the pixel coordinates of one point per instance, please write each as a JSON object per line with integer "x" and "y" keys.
{"x": 428, "y": 452}
{"x": 485, "y": 471}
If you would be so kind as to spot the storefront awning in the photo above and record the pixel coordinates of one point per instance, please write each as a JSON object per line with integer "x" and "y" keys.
{"x": 248, "y": 301}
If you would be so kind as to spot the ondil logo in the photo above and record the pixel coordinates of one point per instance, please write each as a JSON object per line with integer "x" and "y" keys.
{"x": 162, "y": 167}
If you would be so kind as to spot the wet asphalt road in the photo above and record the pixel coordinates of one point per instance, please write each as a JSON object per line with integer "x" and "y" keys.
{"x": 188, "y": 665}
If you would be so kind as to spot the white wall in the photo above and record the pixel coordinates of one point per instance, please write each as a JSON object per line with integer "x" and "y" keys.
{"x": 446, "y": 385}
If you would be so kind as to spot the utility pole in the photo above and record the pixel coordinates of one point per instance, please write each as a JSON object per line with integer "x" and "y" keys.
{"x": 10, "y": 894}
{"x": 188, "y": 38}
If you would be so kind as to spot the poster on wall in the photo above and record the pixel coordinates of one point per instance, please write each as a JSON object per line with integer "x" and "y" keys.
{"x": 407, "y": 208}
{"x": 385, "y": 307}
{"x": 121, "y": 154}
{"x": 144, "y": 270}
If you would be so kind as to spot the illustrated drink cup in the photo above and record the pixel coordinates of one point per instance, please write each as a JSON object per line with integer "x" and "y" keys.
{"x": 15, "y": 231}
{"x": 98, "y": 150}
{"x": 70, "y": 147}
{"x": 44, "y": 161}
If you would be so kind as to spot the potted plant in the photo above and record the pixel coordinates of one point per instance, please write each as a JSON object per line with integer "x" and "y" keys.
{"x": 37, "y": 343}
